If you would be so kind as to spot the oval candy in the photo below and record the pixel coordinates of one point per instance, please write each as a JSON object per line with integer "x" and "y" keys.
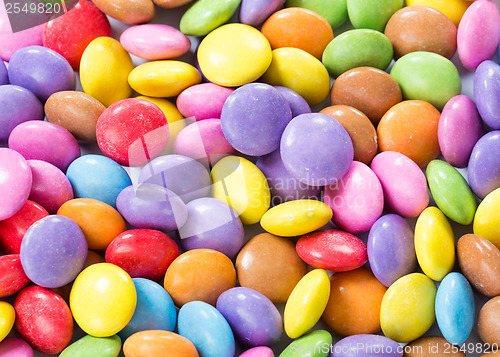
{"x": 93, "y": 346}
{"x": 367, "y": 345}
{"x": 486, "y": 220}
{"x": 484, "y": 165}
{"x": 333, "y": 11}
{"x": 155, "y": 343}
{"x": 438, "y": 345}
{"x": 254, "y": 13}
{"x": 12, "y": 278}
{"x": 128, "y": 11}
{"x": 310, "y": 345}
{"x": 486, "y": 91}
{"x": 454, "y": 9}
{"x": 15, "y": 347}
{"x": 370, "y": 15}
{"x": 488, "y": 322}
{"x": 203, "y": 101}
{"x": 7, "y": 317}
{"x": 206, "y": 15}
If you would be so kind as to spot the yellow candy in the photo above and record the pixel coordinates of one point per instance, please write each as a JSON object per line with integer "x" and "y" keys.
{"x": 306, "y": 303}
{"x": 103, "y": 299}
{"x": 243, "y": 186}
{"x": 104, "y": 70}
{"x": 163, "y": 78}
{"x": 298, "y": 70}
{"x": 295, "y": 218}
{"x": 175, "y": 120}
{"x": 234, "y": 55}
{"x": 454, "y": 9}
{"x": 434, "y": 243}
{"x": 407, "y": 310}
{"x": 7, "y": 318}
{"x": 487, "y": 219}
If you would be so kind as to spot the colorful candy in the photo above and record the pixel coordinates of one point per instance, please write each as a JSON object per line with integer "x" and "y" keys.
{"x": 93, "y": 346}
{"x": 254, "y": 13}
{"x": 155, "y": 343}
{"x": 206, "y": 15}
{"x": 488, "y": 322}
{"x": 486, "y": 220}
{"x": 369, "y": 15}
{"x": 203, "y": 101}
{"x": 454, "y": 9}
{"x": 484, "y": 170}
{"x": 438, "y": 345}
{"x": 12, "y": 278}
{"x": 15, "y": 347}
{"x": 486, "y": 91}
{"x": 367, "y": 345}
{"x": 7, "y": 317}
{"x": 128, "y": 11}
{"x": 297, "y": 104}
{"x": 13, "y": 41}
{"x": 310, "y": 345}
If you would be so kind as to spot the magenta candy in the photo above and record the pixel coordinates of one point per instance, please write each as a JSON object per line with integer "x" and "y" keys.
{"x": 203, "y": 101}
{"x": 357, "y": 199}
{"x": 15, "y": 183}
{"x": 459, "y": 129}
{"x": 41, "y": 140}
{"x": 283, "y": 185}
{"x": 297, "y": 104}
{"x": 15, "y": 347}
{"x": 4, "y": 76}
{"x": 261, "y": 351}
{"x": 42, "y": 71}
{"x": 478, "y": 33}
{"x": 203, "y": 141}
{"x": 155, "y": 41}
{"x": 487, "y": 92}
{"x": 403, "y": 182}
{"x": 18, "y": 105}
{"x": 50, "y": 188}
{"x": 255, "y": 12}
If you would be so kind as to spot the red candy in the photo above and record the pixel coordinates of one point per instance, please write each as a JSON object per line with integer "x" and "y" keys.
{"x": 332, "y": 250}
{"x": 12, "y": 276}
{"x": 70, "y": 34}
{"x": 142, "y": 253}
{"x": 132, "y": 131}
{"x": 43, "y": 319}
{"x": 12, "y": 229}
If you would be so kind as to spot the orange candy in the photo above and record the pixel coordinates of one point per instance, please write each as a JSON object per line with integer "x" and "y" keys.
{"x": 299, "y": 28}
{"x": 411, "y": 128}
{"x": 158, "y": 343}
{"x": 199, "y": 274}
{"x": 100, "y": 222}
{"x": 354, "y": 304}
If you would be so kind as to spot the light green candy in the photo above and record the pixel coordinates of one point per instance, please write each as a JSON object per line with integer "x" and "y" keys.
{"x": 314, "y": 344}
{"x": 370, "y": 14}
{"x": 90, "y": 346}
{"x": 333, "y": 11}
{"x": 427, "y": 76}
{"x": 357, "y": 48}
{"x": 451, "y": 192}
{"x": 206, "y": 15}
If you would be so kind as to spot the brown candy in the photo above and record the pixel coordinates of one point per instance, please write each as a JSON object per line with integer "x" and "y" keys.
{"x": 128, "y": 11}
{"x": 432, "y": 346}
{"x": 271, "y": 266}
{"x": 479, "y": 261}
{"x": 359, "y": 128}
{"x": 171, "y": 3}
{"x": 75, "y": 111}
{"x": 354, "y": 304}
{"x": 368, "y": 89}
{"x": 421, "y": 28}
{"x": 199, "y": 274}
{"x": 488, "y": 322}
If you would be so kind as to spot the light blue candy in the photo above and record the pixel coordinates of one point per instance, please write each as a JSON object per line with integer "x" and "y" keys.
{"x": 207, "y": 329}
{"x": 155, "y": 309}
{"x": 455, "y": 308}
{"x": 97, "y": 177}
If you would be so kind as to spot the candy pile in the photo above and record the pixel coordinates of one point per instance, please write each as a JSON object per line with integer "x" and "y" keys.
{"x": 150, "y": 241}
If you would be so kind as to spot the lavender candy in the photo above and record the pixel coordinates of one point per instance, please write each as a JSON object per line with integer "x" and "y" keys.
{"x": 212, "y": 224}
{"x": 4, "y": 76}
{"x": 367, "y": 346}
{"x": 297, "y": 104}
{"x": 255, "y": 12}
{"x": 42, "y": 71}
{"x": 53, "y": 251}
{"x": 484, "y": 164}
{"x": 487, "y": 92}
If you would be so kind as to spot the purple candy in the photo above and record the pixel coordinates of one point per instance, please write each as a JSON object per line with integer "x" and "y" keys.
{"x": 186, "y": 177}
{"x": 316, "y": 149}
{"x": 53, "y": 251}
{"x": 151, "y": 206}
{"x": 15, "y": 347}
{"x": 15, "y": 182}
{"x": 297, "y": 104}
{"x": 252, "y": 316}
{"x": 4, "y": 76}
{"x": 42, "y": 71}
{"x": 50, "y": 188}
{"x": 367, "y": 346}
{"x": 484, "y": 165}
{"x": 18, "y": 106}
{"x": 41, "y": 140}
{"x": 212, "y": 224}
{"x": 391, "y": 249}
{"x": 283, "y": 185}
{"x": 255, "y": 12}
{"x": 487, "y": 92}
{"x": 459, "y": 130}
{"x": 254, "y": 117}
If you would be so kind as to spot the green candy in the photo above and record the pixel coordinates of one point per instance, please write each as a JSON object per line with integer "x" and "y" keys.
{"x": 90, "y": 346}
{"x": 451, "y": 192}
{"x": 370, "y": 14}
{"x": 427, "y": 76}
{"x": 357, "y": 48}
{"x": 315, "y": 344}
{"x": 333, "y": 11}
{"x": 206, "y": 15}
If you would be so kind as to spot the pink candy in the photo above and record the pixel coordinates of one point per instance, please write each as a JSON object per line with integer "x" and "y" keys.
{"x": 203, "y": 101}
{"x": 261, "y": 351}
{"x": 15, "y": 347}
